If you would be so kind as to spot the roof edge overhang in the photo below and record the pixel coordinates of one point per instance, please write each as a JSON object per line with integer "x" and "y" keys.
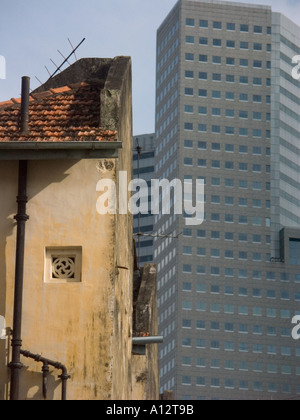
{"x": 16, "y": 150}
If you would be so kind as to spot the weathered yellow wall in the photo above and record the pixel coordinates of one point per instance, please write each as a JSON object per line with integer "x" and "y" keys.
{"x": 72, "y": 323}
{"x": 120, "y": 95}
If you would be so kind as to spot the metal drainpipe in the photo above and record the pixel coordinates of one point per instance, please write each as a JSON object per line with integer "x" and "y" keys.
{"x": 143, "y": 341}
{"x": 25, "y": 105}
{"x": 46, "y": 363}
{"x": 64, "y": 377}
{"x": 45, "y": 370}
{"x": 21, "y": 219}
{"x": 139, "y": 344}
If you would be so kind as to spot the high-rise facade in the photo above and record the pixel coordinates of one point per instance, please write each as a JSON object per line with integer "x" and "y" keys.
{"x": 227, "y": 111}
{"x": 285, "y": 128}
{"x": 143, "y": 224}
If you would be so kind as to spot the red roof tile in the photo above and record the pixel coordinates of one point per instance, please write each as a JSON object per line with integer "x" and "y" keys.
{"x": 70, "y": 113}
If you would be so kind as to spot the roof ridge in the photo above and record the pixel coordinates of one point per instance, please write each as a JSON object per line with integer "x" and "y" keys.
{"x": 68, "y": 89}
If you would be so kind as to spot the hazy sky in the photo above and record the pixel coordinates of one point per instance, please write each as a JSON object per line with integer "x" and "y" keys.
{"x": 32, "y": 31}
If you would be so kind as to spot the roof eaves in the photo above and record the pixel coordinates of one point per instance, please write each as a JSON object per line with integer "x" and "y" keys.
{"x": 16, "y": 150}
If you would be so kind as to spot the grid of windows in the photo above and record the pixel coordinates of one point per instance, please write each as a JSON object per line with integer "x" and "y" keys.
{"x": 255, "y": 329}
{"x": 229, "y": 26}
{"x": 229, "y": 96}
{"x": 230, "y": 288}
{"x": 243, "y": 385}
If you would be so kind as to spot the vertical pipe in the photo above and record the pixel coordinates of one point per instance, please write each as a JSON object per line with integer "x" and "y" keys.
{"x": 46, "y": 363}
{"x": 25, "y": 105}
{"x": 45, "y": 370}
{"x": 21, "y": 219}
{"x": 64, "y": 377}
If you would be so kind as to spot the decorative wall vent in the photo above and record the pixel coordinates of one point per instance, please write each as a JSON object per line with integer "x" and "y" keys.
{"x": 63, "y": 265}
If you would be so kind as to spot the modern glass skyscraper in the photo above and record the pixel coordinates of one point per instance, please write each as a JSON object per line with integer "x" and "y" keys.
{"x": 227, "y": 111}
{"x": 143, "y": 167}
{"x": 285, "y": 128}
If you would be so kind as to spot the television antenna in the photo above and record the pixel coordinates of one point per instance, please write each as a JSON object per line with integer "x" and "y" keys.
{"x": 66, "y": 60}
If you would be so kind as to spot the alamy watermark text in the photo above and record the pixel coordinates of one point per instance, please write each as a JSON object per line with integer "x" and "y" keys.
{"x": 296, "y": 70}
{"x": 152, "y": 199}
{"x": 2, "y": 67}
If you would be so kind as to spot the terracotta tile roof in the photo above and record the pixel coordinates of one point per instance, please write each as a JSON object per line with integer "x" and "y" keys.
{"x": 70, "y": 113}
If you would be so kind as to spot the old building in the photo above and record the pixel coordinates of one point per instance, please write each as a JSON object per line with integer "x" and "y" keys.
{"x": 76, "y": 277}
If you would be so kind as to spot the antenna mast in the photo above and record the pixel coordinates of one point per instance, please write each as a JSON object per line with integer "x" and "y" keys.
{"x": 66, "y": 59}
